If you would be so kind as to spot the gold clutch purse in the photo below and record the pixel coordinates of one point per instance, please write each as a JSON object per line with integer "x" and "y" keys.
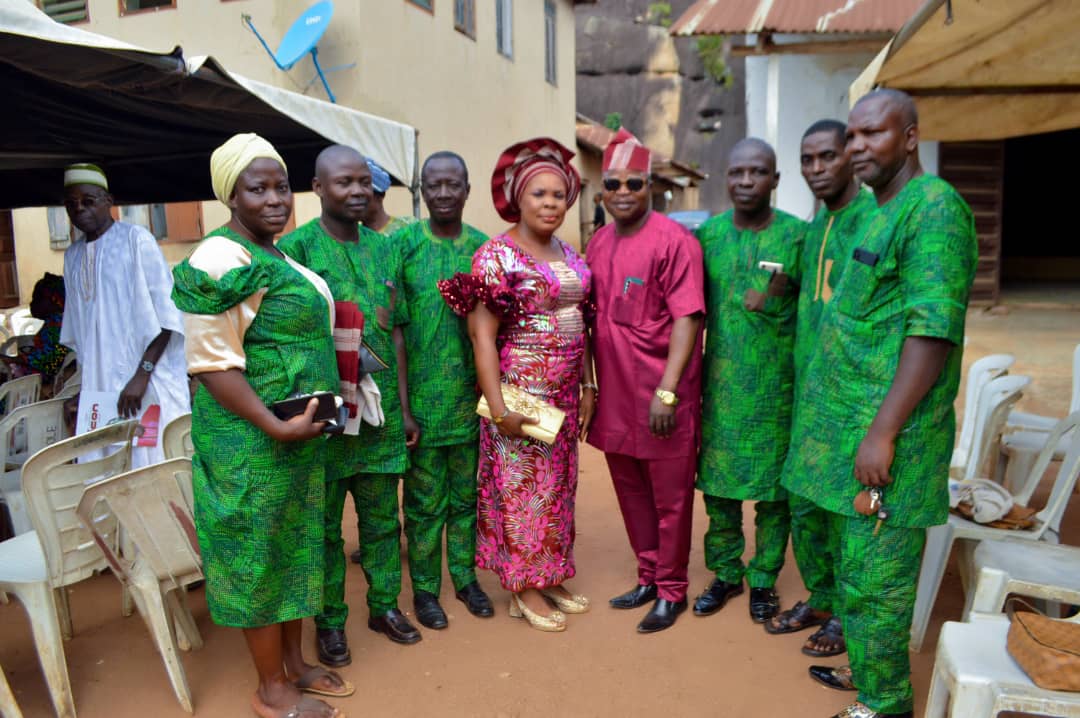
{"x": 518, "y": 400}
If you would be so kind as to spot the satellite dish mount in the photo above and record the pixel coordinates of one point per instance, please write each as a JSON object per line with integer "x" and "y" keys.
{"x": 302, "y": 38}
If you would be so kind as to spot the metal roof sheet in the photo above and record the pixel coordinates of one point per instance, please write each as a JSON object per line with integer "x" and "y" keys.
{"x": 724, "y": 17}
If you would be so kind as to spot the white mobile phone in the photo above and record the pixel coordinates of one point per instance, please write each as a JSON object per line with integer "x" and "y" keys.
{"x": 771, "y": 266}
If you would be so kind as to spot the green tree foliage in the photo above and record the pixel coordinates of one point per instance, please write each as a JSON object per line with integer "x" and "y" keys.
{"x": 659, "y": 13}
{"x": 710, "y": 48}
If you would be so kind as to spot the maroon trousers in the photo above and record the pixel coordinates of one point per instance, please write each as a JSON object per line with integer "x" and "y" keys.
{"x": 656, "y": 497}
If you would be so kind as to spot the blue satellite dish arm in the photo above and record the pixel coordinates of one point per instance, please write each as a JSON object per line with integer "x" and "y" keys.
{"x": 247, "y": 20}
{"x": 326, "y": 85}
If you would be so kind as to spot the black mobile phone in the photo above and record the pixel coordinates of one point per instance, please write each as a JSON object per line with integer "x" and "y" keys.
{"x": 296, "y": 405}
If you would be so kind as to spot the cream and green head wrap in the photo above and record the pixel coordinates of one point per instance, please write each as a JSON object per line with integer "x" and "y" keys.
{"x": 85, "y": 173}
{"x": 229, "y": 161}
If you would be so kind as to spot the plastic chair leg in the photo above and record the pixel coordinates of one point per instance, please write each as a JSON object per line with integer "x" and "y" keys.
{"x": 988, "y": 595}
{"x": 187, "y": 633}
{"x": 47, "y": 631}
{"x": 1018, "y": 469}
{"x": 937, "y": 702}
{"x": 8, "y": 707}
{"x": 965, "y": 562}
{"x": 939, "y": 540}
{"x": 127, "y": 602}
{"x": 156, "y": 615}
{"x": 972, "y": 699}
{"x": 63, "y": 612}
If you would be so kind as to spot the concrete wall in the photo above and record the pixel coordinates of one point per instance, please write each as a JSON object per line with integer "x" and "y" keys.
{"x": 411, "y": 66}
{"x": 785, "y": 94}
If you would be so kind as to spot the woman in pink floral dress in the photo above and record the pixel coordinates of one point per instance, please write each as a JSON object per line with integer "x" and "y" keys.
{"x": 525, "y": 301}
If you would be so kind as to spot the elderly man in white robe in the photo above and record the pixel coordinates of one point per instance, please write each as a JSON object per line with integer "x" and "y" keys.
{"x": 119, "y": 316}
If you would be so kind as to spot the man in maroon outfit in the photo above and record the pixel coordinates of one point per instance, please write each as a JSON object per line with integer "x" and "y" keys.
{"x": 648, "y": 281}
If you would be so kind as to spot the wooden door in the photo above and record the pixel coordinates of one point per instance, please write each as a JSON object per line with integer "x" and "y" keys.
{"x": 977, "y": 171}
{"x": 9, "y": 280}
{"x": 183, "y": 221}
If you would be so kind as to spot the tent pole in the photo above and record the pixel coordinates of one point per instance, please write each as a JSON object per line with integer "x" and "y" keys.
{"x": 415, "y": 189}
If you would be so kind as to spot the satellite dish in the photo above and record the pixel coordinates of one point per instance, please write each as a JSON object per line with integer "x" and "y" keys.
{"x": 300, "y": 39}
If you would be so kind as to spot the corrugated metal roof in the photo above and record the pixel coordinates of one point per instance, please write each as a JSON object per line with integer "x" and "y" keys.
{"x": 725, "y": 17}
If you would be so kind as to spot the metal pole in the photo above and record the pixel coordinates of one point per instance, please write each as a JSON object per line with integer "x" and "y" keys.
{"x": 415, "y": 189}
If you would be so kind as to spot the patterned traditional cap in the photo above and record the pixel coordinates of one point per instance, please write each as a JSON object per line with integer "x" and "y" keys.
{"x": 625, "y": 152}
{"x": 520, "y": 163}
{"x": 85, "y": 173}
{"x": 380, "y": 178}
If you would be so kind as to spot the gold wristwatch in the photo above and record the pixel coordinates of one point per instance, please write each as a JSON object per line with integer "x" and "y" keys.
{"x": 667, "y": 398}
{"x": 499, "y": 419}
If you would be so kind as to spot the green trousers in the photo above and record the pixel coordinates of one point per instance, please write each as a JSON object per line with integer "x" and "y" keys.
{"x": 440, "y": 493}
{"x": 724, "y": 541}
{"x": 876, "y": 578}
{"x": 376, "y": 500}
{"x": 816, "y": 545}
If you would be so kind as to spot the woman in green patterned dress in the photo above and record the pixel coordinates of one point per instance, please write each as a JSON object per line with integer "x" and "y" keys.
{"x": 258, "y": 329}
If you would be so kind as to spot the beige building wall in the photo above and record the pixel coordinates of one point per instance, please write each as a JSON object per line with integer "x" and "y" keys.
{"x": 412, "y": 66}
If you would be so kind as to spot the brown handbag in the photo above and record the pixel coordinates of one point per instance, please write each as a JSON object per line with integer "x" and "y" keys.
{"x": 1047, "y": 649}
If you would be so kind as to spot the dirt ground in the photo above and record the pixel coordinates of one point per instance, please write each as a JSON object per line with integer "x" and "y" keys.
{"x": 720, "y": 665}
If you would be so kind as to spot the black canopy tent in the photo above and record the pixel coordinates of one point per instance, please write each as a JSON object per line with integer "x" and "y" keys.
{"x": 150, "y": 119}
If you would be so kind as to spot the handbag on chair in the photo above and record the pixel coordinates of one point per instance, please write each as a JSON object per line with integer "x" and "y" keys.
{"x": 1047, "y": 649}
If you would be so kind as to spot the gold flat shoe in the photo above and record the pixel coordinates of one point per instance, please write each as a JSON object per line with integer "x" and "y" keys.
{"x": 575, "y": 604}
{"x": 554, "y": 623}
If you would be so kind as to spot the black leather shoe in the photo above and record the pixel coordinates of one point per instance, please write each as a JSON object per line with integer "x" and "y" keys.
{"x": 428, "y": 610}
{"x": 662, "y": 615}
{"x": 476, "y": 600}
{"x": 715, "y": 596}
{"x": 636, "y": 597}
{"x": 836, "y": 677}
{"x": 396, "y": 627}
{"x": 333, "y": 647}
{"x": 764, "y": 604}
{"x": 356, "y": 556}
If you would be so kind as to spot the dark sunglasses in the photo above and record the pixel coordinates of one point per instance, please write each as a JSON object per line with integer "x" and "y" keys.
{"x": 634, "y": 184}
{"x": 86, "y": 201}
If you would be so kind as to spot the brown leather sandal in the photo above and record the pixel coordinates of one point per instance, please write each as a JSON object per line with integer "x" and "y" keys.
{"x": 831, "y": 632}
{"x": 797, "y": 618}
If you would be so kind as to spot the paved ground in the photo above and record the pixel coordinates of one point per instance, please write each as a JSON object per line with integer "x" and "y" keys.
{"x": 721, "y": 665}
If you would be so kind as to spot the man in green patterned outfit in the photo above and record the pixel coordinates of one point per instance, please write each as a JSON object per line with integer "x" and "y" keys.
{"x": 440, "y": 485}
{"x": 364, "y": 267}
{"x": 876, "y": 405}
{"x": 830, "y": 238}
{"x": 751, "y": 272}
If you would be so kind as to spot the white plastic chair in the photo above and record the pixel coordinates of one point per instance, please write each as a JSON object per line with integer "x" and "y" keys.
{"x": 1028, "y": 434}
{"x": 156, "y": 518}
{"x": 996, "y": 399}
{"x": 23, "y": 573}
{"x": 939, "y": 539}
{"x": 176, "y": 438}
{"x": 1030, "y": 568}
{"x": 979, "y": 375}
{"x": 22, "y": 322}
{"x": 974, "y": 676}
{"x": 19, "y": 392}
{"x": 71, "y": 387}
{"x": 11, "y": 345}
{"x": 53, "y": 484}
{"x": 59, "y": 382}
{"x": 37, "y": 426}
{"x": 8, "y": 707}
